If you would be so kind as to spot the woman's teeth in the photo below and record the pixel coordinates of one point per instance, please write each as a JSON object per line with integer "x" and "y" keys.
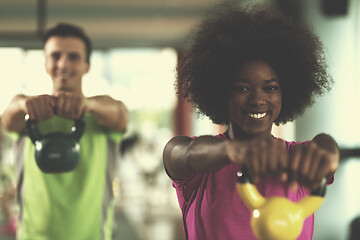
{"x": 257, "y": 115}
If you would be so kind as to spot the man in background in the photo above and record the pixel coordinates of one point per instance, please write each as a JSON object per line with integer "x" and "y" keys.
{"x": 78, "y": 204}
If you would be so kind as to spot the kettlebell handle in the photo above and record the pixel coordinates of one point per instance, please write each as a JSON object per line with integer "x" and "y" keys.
{"x": 76, "y": 131}
{"x": 79, "y": 128}
{"x": 244, "y": 177}
{"x": 32, "y": 129}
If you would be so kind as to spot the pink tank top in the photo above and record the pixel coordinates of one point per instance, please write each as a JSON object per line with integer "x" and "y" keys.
{"x": 212, "y": 209}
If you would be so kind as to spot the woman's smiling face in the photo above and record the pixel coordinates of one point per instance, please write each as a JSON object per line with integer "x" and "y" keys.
{"x": 255, "y": 100}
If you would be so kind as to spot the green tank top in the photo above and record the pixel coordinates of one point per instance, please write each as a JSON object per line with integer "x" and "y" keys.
{"x": 74, "y": 205}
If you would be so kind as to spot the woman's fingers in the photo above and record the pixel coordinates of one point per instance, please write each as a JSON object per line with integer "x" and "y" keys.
{"x": 267, "y": 158}
{"x": 253, "y": 163}
{"x": 309, "y": 164}
{"x": 294, "y": 162}
{"x": 306, "y": 163}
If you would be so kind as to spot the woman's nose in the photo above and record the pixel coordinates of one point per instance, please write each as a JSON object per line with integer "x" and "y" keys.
{"x": 257, "y": 97}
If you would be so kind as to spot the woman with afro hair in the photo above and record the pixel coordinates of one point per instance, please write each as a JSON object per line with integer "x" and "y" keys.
{"x": 248, "y": 68}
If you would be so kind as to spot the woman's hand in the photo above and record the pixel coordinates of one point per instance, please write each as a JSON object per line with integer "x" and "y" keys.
{"x": 312, "y": 161}
{"x": 262, "y": 157}
{"x": 307, "y": 163}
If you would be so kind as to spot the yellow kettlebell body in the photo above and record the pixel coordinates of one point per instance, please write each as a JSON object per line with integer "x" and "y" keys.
{"x": 277, "y": 218}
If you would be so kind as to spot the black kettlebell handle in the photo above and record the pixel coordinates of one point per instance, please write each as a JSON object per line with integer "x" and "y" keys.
{"x": 76, "y": 131}
{"x": 244, "y": 177}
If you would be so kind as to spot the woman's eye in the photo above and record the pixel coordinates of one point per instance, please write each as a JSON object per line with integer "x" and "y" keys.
{"x": 272, "y": 88}
{"x": 242, "y": 88}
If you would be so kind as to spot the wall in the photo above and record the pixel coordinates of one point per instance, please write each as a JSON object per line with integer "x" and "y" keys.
{"x": 337, "y": 113}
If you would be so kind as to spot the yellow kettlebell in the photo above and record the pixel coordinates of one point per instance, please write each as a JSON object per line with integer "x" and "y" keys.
{"x": 277, "y": 218}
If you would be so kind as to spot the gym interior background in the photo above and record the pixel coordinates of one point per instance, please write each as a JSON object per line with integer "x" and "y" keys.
{"x": 136, "y": 47}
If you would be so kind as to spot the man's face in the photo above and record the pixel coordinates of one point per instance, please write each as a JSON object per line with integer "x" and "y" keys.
{"x": 65, "y": 62}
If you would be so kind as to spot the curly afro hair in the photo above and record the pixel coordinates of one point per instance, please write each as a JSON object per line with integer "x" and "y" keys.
{"x": 230, "y": 36}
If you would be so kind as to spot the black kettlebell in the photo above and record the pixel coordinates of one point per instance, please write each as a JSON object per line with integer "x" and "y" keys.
{"x": 56, "y": 152}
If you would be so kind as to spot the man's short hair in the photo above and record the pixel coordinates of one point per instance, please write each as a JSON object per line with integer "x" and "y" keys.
{"x": 69, "y": 30}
